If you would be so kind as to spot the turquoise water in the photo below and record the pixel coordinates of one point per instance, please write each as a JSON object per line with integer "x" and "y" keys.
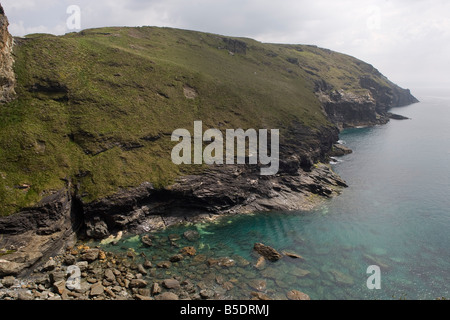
{"x": 395, "y": 214}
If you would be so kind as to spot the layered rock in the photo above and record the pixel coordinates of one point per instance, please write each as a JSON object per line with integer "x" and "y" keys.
{"x": 7, "y": 77}
{"x": 34, "y": 234}
{"x": 347, "y": 109}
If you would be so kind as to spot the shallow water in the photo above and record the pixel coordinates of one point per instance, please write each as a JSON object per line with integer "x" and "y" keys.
{"x": 395, "y": 214}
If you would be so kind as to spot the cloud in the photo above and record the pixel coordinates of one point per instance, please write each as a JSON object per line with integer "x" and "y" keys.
{"x": 408, "y": 41}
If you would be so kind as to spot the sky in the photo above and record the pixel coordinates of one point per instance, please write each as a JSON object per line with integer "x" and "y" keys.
{"x": 406, "y": 40}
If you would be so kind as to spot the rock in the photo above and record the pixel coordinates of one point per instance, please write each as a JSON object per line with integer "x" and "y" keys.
{"x": 267, "y": 252}
{"x": 141, "y": 269}
{"x": 8, "y": 268}
{"x": 206, "y": 294}
{"x": 293, "y": 255}
{"x": 297, "y": 295}
{"x": 167, "y": 296}
{"x": 138, "y": 283}
{"x": 8, "y": 281}
{"x": 97, "y": 289}
{"x": 164, "y": 264}
{"x": 261, "y": 263}
{"x": 91, "y": 255}
{"x": 340, "y": 150}
{"x": 147, "y": 264}
{"x": 109, "y": 275}
{"x": 147, "y": 241}
{"x": 82, "y": 265}
{"x": 7, "y": 76}
{"x": 176, "y": 258}
{"x": 49, "y": 265}
{"x": 259, "y": 285}
{"x": 156, "y": 289}
{"x": 60, "y": 286}
{"x": 260, "y": 296}
{"x": 191, "y": 235}
{"x": 171, "y": 284}
{"x": 110, "y": 292}
{"x": 144, "y": 292}
{"x": 56, "y": 276}
{"x": 397, "y": 116}
{"x": 25, "y": 296}
{"x": 69, "y": 260}
{"x": 189, "y": 251}
{"x": 102, "y": 255}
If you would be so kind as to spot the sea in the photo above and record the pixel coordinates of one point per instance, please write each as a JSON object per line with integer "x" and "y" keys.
{"x": 386, "y": 237}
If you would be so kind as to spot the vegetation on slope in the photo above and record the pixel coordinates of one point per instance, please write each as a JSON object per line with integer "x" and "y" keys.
{"x": 97, "y": 108}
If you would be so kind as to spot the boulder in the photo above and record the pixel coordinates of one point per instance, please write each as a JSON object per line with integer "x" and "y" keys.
{"x": 10, "y": 268}
{"x": 176, "y": 258}
{"x": 188, "y": 251}
{"x": 138, "y": 283}
{"x": 147, "y": 241}
{"x": 191, "y": 235}
{"x": 90, "y": 255}
{"x": 156, "y": 289}
{"x": 171, "y": 284}
{"x": 97, "y": 289}
{"x": 49, "y": 265}
{"x": 267, "y": 252}
{"x": 8, "y": 281}
{"x": 109, "y": 275}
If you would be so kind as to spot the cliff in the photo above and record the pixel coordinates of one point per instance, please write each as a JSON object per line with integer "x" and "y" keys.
{"x": 7, "y": 77}
{"x": 86, "y": 145}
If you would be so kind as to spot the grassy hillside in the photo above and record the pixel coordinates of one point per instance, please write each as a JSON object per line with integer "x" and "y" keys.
{"x": 98, "y": 107}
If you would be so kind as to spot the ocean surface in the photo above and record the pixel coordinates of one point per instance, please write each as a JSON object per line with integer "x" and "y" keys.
{"x": 395, "y": 214}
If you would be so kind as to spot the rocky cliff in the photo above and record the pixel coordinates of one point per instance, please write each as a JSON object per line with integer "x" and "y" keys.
{"x": 94, "y": 113}
{"x": 7, "y": 76}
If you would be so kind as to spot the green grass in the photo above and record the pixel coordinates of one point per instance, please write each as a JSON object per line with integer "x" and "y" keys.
{"x": 85, "y": 98}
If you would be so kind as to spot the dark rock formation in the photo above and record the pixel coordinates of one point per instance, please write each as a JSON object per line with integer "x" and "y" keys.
{"x": 235, "y": 46}
{"x": 35, "y": 234}
{"x": 349, "y": 109}
{"x": 267, "y": 252}
{"x": 339, "y": 150}
{"x": 7, "y": 77}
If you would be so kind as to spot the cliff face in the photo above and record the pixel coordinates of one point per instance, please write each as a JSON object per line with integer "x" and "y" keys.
{"x": 7, "y": 77}
{"x": 348, "y": 109}
{"x": 96, "y": 110}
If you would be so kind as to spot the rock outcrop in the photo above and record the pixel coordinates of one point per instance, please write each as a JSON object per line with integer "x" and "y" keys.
{"x": 34, "y": 234}
{"x": 7, "y": 77}
{"x": 347, "y": 109}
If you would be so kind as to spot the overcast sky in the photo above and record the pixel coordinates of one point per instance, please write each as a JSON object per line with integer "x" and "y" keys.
{"x": 407, "y": 40}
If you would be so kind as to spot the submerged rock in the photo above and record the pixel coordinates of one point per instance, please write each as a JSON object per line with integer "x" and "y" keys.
{"x": 297, "y": 295}
{"x": 191, "y": 235}
{"x": 267, "y": 252}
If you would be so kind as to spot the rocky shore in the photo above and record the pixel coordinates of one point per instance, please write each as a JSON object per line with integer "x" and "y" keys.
{"x": 85, "y": 273}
